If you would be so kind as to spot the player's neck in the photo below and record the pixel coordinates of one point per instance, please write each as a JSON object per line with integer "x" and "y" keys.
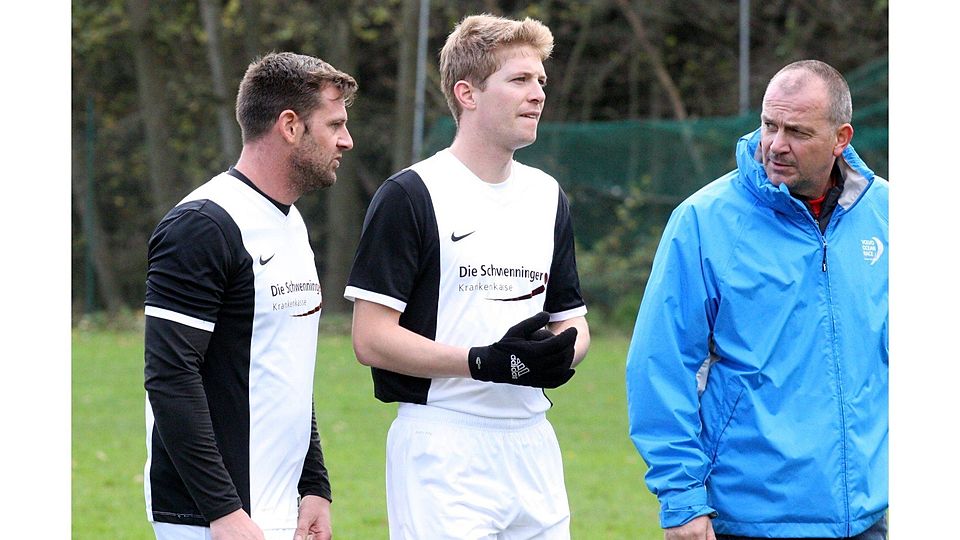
{"x": 488, "y": 162}
{"x": 269, "y": 173}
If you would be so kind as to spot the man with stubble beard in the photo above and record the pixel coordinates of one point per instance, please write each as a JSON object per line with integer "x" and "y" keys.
{"x": 232, "y": 308}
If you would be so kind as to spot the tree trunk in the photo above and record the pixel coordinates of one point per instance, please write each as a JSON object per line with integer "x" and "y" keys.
{"x": 84, "y": 204}
{"x": 154, "y": 108}
{"x": 229, "y": 136}
{"x": 251, "y": 31}
{"x": 404, "y": 109}
{"x": 345, "y": 204}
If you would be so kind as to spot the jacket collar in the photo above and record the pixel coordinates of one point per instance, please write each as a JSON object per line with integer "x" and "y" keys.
{"x": 857, "y": 175}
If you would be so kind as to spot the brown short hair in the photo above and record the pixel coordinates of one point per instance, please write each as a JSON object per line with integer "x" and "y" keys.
{"x": 469, "y": 53}
{"x": 840, "y": 108}
{"x": 280, "y": 81}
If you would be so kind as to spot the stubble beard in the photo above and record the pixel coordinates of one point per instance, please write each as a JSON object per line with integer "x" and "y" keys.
{"x": 307, "y": 174}
{"x": 801, "y": 185}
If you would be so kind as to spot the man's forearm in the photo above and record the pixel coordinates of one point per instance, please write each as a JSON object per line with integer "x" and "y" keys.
{"x": 582, "y": 344}
{"x": 379, "y": 341}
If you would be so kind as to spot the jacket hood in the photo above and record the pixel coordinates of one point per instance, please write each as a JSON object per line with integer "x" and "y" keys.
{"x": 857, "y": 177}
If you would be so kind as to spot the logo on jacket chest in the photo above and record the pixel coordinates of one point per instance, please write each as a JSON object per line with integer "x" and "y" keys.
{"x": 872, "y": 250}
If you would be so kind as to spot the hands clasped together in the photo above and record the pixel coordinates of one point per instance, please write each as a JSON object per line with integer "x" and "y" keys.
{"x": 527, "y": 355}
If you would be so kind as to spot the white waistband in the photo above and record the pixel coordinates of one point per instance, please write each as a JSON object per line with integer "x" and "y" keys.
{"x": 436, "y": 414}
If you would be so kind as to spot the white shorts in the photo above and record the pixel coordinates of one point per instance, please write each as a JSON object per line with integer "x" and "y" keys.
{"x": 463, "y": 477}
{"x": 176, "y": 531}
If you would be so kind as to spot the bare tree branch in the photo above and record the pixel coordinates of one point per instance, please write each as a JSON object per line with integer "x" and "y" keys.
{"x": 592, "y": 92}
{"x": 666, "y": 82}
{"x": 655, "y": 58}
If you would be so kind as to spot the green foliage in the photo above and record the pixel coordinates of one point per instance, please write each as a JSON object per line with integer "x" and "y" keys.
{"x": 604, "y": 474}
{"x": 614, "y": 270}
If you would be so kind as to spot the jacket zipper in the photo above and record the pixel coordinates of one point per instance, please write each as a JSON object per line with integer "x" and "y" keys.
{"x": 823, "y": 239}
{"x": 833, "y": 330}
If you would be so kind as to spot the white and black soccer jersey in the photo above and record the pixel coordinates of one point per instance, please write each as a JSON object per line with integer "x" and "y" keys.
{"x": 232, "y": 309}
{"x": 463, "y": 260}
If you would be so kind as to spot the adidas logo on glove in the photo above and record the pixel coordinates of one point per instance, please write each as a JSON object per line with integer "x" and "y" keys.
{"x": 517, "y": 368}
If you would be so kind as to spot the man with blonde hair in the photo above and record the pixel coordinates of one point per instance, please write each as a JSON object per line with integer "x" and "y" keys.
{"x": 455, "y": 249}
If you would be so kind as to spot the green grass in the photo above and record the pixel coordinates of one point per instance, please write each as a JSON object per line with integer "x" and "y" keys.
{"x": 604, "y": 474}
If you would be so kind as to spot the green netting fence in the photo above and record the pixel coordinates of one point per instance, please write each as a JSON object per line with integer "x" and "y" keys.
{"x": 625, "y": 177}
{"x": 598, "y": 162}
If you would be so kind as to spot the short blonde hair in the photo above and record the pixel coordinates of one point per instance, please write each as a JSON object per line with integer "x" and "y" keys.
{"x": 470, "y": 51}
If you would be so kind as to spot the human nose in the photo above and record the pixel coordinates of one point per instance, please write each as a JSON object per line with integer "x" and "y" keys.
{"x": 538, "y": 95}
{"x": 345, "y": 141}
{"x": 779, "y": 143}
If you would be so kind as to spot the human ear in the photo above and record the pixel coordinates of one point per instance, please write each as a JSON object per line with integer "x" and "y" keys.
{"x": 844, "y": 136}
{"x": 287, "y": 125}
{"x": 463, "y": 92}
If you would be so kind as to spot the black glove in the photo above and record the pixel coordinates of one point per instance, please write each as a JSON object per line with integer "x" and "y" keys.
{"x": 526, "y": 356}
{"x": 541, "y": 334}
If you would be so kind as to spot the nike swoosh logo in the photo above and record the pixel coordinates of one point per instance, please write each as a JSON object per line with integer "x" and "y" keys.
{"x": 455, "y": 238}
{"x": 268, "y": 259}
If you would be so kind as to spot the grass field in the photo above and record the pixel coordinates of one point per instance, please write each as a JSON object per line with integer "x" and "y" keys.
{"x": 604, "y": 474}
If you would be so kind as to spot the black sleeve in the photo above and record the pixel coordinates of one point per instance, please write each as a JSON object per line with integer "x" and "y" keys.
{"x": 173, "y": 354}
{"x": 187, "y": 276}
{"x": 314, "y": 480}
{"x": 389, "y": 254}
{"x": 190, "y": 260}
{"x": 563, "y": 289}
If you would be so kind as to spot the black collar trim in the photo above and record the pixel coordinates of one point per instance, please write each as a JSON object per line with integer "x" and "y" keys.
{"x": 285, "y": 208}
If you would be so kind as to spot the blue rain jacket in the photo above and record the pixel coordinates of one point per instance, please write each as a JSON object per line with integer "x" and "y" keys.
{"x": 757, "y": 374}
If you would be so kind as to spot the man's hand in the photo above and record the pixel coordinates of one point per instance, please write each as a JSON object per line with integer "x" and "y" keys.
{"x": 526, "y": 356}
{"x": 236, "y": 525}
{"x": 700, "y": 528}
{"x": 313, "y": 522}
